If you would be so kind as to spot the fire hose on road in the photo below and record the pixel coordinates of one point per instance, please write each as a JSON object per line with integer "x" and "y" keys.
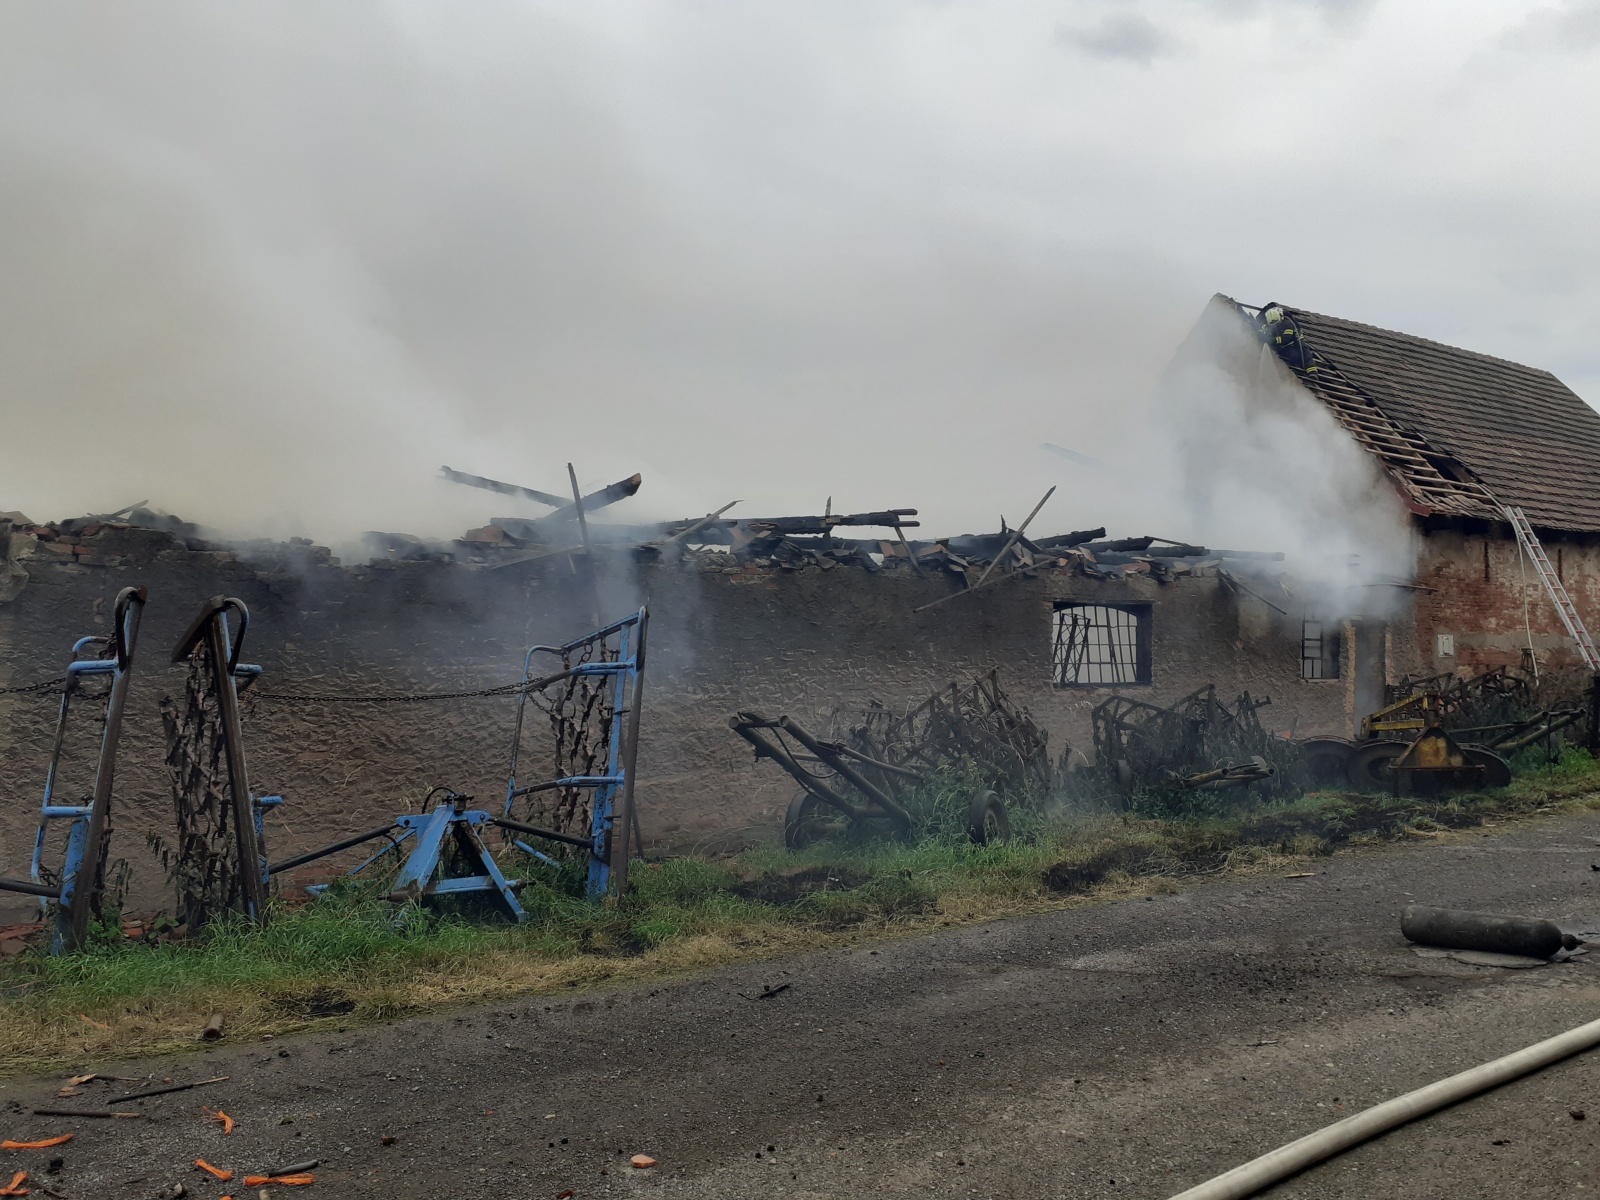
{"x": 1287, "y": 1160}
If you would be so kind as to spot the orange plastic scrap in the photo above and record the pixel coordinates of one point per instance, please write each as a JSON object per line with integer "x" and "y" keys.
{"x": 215, "y": 1172}
{"x": 220, "y": 1117}
{"x": 42, "y": 1144}
{"x": 15, "y": 1188}
{"x": 284, "y": 1180}
{"x": 92, "y": 1021}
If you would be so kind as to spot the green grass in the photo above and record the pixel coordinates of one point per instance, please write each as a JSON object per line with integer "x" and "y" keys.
{"x": 346, "y": 957}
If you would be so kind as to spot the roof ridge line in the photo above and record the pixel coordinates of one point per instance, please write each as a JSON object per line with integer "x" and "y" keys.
{"x": 1413, "y": 337}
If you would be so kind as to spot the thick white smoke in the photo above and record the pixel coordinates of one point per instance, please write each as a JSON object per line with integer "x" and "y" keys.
{"x": 268, "y": 265}
{"x": 1256, "y": 461}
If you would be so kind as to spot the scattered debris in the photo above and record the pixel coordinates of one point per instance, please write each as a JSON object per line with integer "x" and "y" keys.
{"x": 83, "y": 1112}
{"x": 213, "y": 1029}
{"x": 92, "y": 1021}
{"x": 214, "y": 1172}
{"x": 42, "y": 1144}
{"x": 173, "y": 1087}
{"x": 15, "y": 1188}
{"x": 298, "y": 1168}
{"x": 643, "y": 1162}
{"x": 768, "y": 991}
{"x": 220, "y": 1117}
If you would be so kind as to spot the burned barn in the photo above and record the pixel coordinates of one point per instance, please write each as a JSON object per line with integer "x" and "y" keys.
{"x": 1462, "y": 438}
{"x": 382, "y": 680}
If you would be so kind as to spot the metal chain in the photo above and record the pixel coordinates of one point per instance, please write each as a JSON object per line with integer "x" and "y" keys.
{"x": 505, "y": 689}
{"x": 47, "y": 685}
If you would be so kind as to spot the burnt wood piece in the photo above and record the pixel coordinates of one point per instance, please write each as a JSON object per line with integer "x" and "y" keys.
{"x": 892, "y": 518}
{"x": 1065, "y": 541}
{"x": 505, "y": 489}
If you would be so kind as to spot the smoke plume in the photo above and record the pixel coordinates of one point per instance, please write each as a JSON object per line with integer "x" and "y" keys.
{"x": 268, "y": 265}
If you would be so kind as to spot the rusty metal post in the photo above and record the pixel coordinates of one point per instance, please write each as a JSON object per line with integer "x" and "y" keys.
{"x": 124, "y": 639}
{"x": 244, "y": 819}
{"x": 211, "y": 626}
{"x": 625, "y": 822}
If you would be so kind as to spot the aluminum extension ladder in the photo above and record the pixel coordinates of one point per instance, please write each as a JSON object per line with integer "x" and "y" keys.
{"x": 1553, "y": 585}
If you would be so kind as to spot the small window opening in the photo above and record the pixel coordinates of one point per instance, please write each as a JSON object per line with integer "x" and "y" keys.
{"x": 1100, "y": 645}
{"x": 1319, "y": 648}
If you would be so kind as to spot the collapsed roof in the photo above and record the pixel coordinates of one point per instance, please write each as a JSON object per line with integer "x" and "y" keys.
{"x": 1461, "y": 433}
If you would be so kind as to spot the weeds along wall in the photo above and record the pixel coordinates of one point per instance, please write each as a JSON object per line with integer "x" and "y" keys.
{"x": 722, "y": 638}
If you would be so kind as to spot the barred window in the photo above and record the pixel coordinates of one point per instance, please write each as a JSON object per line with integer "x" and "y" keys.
{"x": 1100, "y": 645}
{"x": 1319, "y": 648}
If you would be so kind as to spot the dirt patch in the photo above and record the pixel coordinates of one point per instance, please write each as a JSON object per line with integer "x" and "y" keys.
{"x": 1081, "y": 875}
{"x": 1205, "y": 847}
{"x": 787, "y": 887}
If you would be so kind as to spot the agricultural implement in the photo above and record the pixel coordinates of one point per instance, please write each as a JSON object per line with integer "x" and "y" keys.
{"x": 1197, "y": 743}
{"x": 846, "y": 784}
{"x": 594, "y": 703}
{"x": 220, "y": 820}
{"x": 75, "y": 889}
{"x": 1423, "y": 734}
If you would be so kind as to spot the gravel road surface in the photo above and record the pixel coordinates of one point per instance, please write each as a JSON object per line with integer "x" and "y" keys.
{"x": 1127, "y": 1049}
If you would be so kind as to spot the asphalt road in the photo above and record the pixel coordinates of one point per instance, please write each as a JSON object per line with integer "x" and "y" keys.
{"x": 1127, "y": 1049}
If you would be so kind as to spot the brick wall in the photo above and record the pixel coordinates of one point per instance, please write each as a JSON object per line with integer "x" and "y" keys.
{"x": 1488, "y": 601}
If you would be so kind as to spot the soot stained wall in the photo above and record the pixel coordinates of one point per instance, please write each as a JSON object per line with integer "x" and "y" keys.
{"x": 722, "y": 638}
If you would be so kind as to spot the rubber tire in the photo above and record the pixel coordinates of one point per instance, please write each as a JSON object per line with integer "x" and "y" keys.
{"x": 987, "y": 820}
{"x": 1365, "y": 771}
{"x": 1497, "y": 772}
{"x": 808, "y": 820}
{"x": 1327, "y": 760}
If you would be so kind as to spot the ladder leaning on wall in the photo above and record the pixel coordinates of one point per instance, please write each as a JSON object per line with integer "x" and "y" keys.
{"x": 1576, "y": 630}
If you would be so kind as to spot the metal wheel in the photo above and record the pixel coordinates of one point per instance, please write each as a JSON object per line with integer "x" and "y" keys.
{"x": 810, "y": 820}
{"x": 1369, "y": 765}
{"x": 1496, "y": 771}
{"x": 987, "y": 822}
{"x": 1327, "y": 760}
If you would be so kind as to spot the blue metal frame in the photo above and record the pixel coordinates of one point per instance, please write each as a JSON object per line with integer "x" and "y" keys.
{"x": 116, "y": 660}
{"x": 452, "y": 823}
{"x": 626, "y": 672}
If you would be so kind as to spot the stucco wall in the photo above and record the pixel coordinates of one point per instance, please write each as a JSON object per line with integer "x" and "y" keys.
{"x": 802, "y": 642}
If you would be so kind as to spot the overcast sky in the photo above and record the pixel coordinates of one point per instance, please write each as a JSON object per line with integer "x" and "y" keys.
{"x": 268, "y": 265}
